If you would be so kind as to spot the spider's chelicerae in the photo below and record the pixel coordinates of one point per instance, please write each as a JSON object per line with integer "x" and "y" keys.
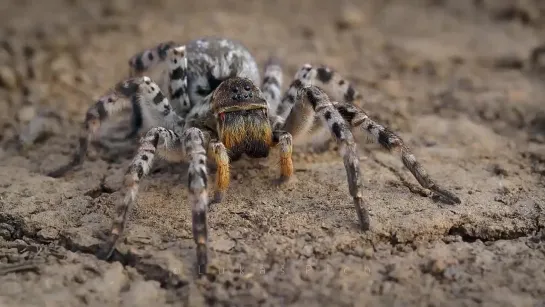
{"x": 215, "y": 107}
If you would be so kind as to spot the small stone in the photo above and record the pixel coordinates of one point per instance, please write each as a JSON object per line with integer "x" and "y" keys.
{"x": 350, "y": 17}
{"x": 437, "y": 266}
{"x": 48, "y": 234}
{"x": 223, "y": 245}
{"x": 5, "y": 233}
{"x": 61, "y": 64}
{"x": 368, "y": 253}
{"x": 26, "y": 114}
{"x": 143, "y": 293}
{"x": 117, "y": 7}
{"x": 450, "y": 273}
{"x": 392, "y": 87}
{"x": 499, "y": 170}
{"x": 358, "y": 251}
{"x": 80, "y": 278}
{"x": 8, "y": 79}
{"x": 307, "y": 251}
{"x": 386, "y": 287}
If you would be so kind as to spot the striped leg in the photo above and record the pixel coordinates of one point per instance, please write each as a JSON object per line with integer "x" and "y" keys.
{"x": 194, "y": 147}
{"x": 141, "y": 92}
{"x": 190, "y": 146}
{"x": 177, "y": 71}
{"x": 393, "y": 143}
{"x": 322, "y": 76}
{"x": 284, "y": 141}
{"x": 140, "y": 167}
{"x": 148, "y": 58}
{"x": 272, "y": 83}
{"x": 221, "y": 158}
{"x": 106, "y": 106}
{"x": 310, "y": 101}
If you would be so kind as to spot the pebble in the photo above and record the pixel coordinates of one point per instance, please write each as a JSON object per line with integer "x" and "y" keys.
{"x": 223, "y": 245}
{"x": 437, "y": 266}
{"x": 117, "y": 7}
{"x": 307, "y": 251}
{"x": 8, "y": 79}
{"x": 350, "y": 17}
{"x": 26, "y": 114}
{"x": 61, "y": 64}
{"x": 48, "y": 234}
{"x": 143, "y": 293}
{"x": 368, "y": 253}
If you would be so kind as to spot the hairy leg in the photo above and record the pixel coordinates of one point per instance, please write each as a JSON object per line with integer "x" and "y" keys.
{"x": 145, "y": 93}
{"x": 284, "y": 140}
{"x": 194, "y": 147}
{"x": 310, "y": 101}
{"x": 137, "y": 120}
{"x": 139, "y": 167}
{"x": 393, "y": 143}
{"x": 322, "y": 76}
{"x": 148, "y": 58}
{"x": 177, "y": 72}
{"x": 106, "y": 106}
{"x": 221, "y": 158}
{"x": 272, "y": 83}
{"x": 189, "y": 146}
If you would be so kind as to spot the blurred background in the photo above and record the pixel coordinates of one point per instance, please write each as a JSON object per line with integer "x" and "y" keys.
{"x": 407, "y": 56}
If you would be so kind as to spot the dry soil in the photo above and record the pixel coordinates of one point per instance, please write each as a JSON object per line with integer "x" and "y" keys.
{"x": 452, "y": 77}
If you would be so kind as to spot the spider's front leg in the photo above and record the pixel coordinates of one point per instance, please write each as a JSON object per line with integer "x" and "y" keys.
{"x": 308, "y": 102}
{"x": 189, "y": 146}
{"x": 138, "y": 169}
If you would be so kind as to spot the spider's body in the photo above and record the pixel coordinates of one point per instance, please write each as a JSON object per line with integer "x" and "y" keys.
{"x": 215, "y": 107}
{"x": 209, "y": 62}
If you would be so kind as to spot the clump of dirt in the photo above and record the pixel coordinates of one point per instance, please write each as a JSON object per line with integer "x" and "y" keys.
{"x": 456, "y": 79}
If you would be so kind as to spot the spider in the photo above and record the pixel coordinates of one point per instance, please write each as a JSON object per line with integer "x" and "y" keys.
{"x": 215, "y": 109}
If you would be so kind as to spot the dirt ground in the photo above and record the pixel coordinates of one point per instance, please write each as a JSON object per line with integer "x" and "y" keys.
{"x": 452, "y": 77}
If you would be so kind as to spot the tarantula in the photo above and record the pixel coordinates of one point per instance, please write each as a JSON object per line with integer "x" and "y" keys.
{"x": 215, "y": 107}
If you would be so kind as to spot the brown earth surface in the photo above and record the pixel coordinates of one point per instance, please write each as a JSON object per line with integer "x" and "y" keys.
{"x": 452, "y": 77}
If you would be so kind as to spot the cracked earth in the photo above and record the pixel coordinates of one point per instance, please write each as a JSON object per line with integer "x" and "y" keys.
{"x": 453, "y": 78}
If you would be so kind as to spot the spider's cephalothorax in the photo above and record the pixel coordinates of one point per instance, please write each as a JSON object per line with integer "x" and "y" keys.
{"x": 218, "y": 110}
{"x": 242, "y": 121}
